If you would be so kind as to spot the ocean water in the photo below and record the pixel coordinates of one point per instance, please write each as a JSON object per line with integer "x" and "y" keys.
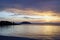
{"x": 49, "y": 32}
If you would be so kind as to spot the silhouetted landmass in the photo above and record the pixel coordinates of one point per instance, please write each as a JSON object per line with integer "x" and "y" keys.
{"x": 25, "y": 22}
{"x": 3, "y": 23}
{"x": 50, "y": 23}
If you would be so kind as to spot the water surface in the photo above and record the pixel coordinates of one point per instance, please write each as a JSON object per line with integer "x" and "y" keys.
{"x": 32, "y": 31}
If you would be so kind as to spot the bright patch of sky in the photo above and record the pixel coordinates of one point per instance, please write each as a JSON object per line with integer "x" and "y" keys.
{"x": 4, "y": 14}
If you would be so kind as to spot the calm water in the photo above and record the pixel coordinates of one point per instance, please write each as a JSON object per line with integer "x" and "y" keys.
{"x": 32, "y": 31}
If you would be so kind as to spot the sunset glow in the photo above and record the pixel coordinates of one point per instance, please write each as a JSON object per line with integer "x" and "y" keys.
{"x": 30, "y": 15}
{"x": 30, "y": 19}
{"x": 41, "y": 13}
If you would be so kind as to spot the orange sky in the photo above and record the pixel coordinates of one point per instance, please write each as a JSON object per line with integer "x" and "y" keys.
{"x": 48, "y": 10}
{"x": 46, "y": 16}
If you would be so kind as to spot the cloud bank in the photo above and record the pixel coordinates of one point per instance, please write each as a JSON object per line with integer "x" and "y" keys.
{"x": 40, "y": 5}
{"x": 29, "y": 7}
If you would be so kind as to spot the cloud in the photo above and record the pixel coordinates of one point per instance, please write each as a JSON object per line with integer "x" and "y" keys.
{"x": 29, "y": 7}
{"x": 42, "y": 5}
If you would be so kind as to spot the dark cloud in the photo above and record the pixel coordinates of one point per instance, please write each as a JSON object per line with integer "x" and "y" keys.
{"x": 43, "y": 5}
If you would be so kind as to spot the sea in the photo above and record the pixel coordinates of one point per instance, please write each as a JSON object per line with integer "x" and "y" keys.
{"x": 36, "y": 31}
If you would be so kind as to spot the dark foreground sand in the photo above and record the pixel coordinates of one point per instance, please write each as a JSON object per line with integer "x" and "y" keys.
{"x": 24, "y": 38}
{"x": 14, "y": 38}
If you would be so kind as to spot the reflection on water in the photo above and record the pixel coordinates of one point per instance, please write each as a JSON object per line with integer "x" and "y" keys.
{"x": 32, "y": 31}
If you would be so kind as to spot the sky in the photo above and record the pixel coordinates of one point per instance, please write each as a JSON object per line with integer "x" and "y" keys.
{"x": 18, "y": 10}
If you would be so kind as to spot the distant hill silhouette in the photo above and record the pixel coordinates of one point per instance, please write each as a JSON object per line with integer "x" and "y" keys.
{"x": 25, "y": 22}
{"x": 3, "y": 23}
